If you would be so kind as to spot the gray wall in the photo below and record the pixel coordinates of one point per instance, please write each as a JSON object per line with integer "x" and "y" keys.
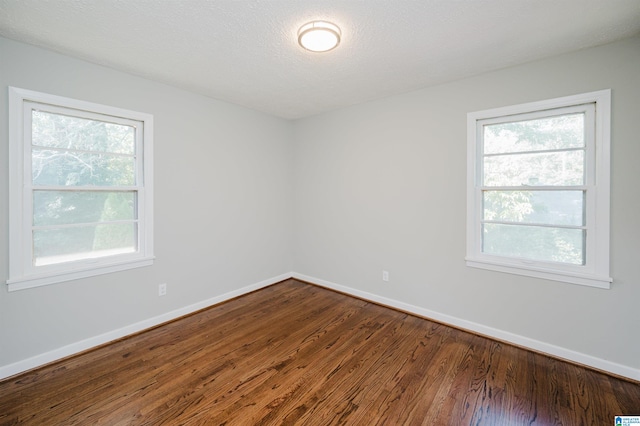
{"x": 222, "y": 205}
{"x": 382, "y": 186}
{"x": 241, "y": 197}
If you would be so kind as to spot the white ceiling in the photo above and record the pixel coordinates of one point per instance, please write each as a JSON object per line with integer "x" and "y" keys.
{"x": 246, "y": 52}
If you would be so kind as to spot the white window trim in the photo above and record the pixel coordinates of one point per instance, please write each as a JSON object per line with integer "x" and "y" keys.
{"x": 596, "y": 272}
{"x": 22, "y": 274}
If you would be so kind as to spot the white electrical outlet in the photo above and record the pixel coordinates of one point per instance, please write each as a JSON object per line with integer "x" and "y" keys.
{"x": 385, "y": 275}
{"x": 162, "y": 289}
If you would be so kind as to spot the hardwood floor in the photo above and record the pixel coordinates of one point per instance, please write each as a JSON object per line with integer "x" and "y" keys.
{"x": 294, "y": 353}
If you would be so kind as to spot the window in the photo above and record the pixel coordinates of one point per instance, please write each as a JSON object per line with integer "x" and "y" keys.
{"x": 80, "y": 189}
{"x": 538, "y": 189}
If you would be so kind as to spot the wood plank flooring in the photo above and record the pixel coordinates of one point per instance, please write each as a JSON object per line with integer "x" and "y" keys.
{"x": 294, "y": 353}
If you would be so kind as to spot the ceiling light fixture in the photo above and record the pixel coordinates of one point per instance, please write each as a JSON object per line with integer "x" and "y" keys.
{"x": 319, "y": 36}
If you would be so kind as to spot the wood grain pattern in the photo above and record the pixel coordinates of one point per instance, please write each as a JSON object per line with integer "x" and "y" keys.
{"x": 293, "y": 354}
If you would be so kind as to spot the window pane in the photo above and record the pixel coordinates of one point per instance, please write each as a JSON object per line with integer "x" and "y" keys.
{"x": 76, "y": 207}
{"x": 534, "y": 243}
{"x": 70, "y": 168}
{"x": 83, "y": 242}
{"x": 562, "y": 132}
{"x": 554, "y": 168}
{"x": 544, "y": 207}
{"x": 63, "y": 131}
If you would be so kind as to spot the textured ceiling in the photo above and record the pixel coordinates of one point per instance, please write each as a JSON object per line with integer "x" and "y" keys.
{"x": 246, "y": 52}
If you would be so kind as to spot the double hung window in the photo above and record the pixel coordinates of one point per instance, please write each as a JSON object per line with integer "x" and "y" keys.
{"x": 538, "y": 189}
{"x": 81, "y": 199}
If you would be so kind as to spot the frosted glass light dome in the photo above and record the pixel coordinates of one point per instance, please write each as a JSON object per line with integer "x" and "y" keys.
{"x": 319, "y": 36}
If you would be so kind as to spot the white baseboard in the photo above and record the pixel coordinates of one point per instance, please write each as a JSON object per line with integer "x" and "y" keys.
{"x": 536, "y": 345}
{"x": 553, "y": 350}
{"x": 83, "y": 345}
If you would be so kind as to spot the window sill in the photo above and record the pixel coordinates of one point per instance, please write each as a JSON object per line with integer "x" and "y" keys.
{"x": 544, "y": 273}
{"x": 25, "y": 282}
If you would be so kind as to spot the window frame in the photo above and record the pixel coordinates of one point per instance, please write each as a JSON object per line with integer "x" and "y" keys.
{"x": 23, "y": 273}
{"x": 595, "y": 271}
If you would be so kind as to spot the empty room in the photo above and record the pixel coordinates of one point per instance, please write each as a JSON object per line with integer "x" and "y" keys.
{"x": 278, "y": 212}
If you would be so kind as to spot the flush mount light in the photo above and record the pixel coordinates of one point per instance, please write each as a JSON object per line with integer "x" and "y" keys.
{"x": 319, "y": 36}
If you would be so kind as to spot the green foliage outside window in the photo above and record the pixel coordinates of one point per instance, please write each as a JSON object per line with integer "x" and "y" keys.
{"x": 537, "y": 222}
{"x": 76, "y": 165}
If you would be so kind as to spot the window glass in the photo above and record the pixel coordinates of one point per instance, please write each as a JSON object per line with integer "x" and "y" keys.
{"x": 538, "y": 189}
{"x": 53, "y": 130}
{"x": 76, "y": 168}
{"x": 560, "y": 132}
{"x": 534, "y": 242}
{"x": 73, "y": 207}
{"x": 81, "y": 199}
{"x": 61, "y": 245}
{"x": 541, "y": 207}
{"x": 551, "y": 168}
